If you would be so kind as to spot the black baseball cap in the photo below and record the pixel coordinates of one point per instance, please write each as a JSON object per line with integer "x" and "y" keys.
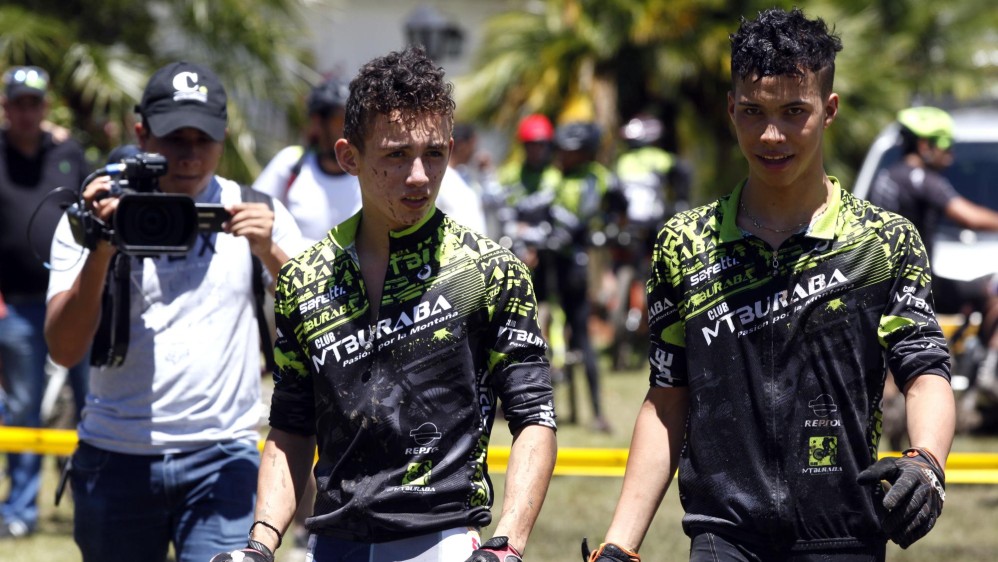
{"x": 327, "y": 96}
{"x": 184, "y": 94}
{"x": 25, "y": 80}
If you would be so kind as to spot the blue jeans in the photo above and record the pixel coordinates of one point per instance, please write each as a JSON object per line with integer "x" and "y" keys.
{"x": 22, "y": 355}
{"x": 131, "y": 507}
{"x": 711, "y": 547}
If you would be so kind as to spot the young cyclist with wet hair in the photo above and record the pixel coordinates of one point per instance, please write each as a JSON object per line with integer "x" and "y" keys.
{"x": 399, "y": 335}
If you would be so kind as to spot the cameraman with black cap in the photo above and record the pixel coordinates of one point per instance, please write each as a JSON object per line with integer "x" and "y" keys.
{"x": 168, "y": 441}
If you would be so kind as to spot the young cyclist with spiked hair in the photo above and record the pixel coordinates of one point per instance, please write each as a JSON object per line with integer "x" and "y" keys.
{"x": 775, "y": 313}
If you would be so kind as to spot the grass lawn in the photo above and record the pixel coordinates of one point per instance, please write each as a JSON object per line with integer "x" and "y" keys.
{"x": 582, "y": 506}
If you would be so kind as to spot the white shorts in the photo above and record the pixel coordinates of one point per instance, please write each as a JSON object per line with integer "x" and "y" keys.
{"x": 452, "y": 545}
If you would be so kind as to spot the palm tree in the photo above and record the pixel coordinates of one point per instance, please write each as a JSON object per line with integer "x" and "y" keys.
{"x": 674, "y": 56}
{"x": 100, "y": 53}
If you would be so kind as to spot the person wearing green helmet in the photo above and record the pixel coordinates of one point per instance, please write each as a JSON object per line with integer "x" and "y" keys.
{"x": 916, "y": 189}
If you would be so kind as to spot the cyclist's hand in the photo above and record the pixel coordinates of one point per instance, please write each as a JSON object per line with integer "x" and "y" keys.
{"x": 915, "y": 498}
{"x": 254, "y": 552}
{"x": 608, "y": 552}
{"x": 496, "y": 549}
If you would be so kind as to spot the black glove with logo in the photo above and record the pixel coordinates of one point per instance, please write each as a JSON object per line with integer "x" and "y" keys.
{"x": 608, "y": 552}
{"x": 254, "y": 552}
{"x": 915, "y": 498}
{"x": 496, "y": 549}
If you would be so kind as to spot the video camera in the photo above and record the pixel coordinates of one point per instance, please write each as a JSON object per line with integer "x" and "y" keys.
{"x": 147, "y": 221}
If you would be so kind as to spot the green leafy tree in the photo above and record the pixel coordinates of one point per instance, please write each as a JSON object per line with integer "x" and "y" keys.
{"x": 899, "y": 53}
{"x": 673, "y": 57}
{"x": 100, "y": 54}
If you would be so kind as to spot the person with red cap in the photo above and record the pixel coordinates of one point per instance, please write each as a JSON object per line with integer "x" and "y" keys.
{"x": 523, "y": 177}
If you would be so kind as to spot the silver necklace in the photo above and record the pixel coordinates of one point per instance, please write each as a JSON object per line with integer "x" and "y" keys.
{"x": 757, "y": 224}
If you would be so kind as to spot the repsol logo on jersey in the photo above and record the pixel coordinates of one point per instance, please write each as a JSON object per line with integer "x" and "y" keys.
{"x": 761, "y": 309}
{"x": 712, "y": 270}
{"x": 822, "y": 423}
{"x": 363, "y": 339}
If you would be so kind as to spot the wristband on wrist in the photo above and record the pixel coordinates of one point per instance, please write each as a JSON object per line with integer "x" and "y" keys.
{"x": 915, "y": 451}
{"x": 261, "y": 548}
{"x": 500, "y": 543}
{"x": 934, "y": 472}
{"x": 280, "y": 536}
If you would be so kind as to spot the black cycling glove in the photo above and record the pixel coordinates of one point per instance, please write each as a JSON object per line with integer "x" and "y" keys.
{"x": 496, "y": 549}
{"x": 254, "y": 552}
{"x": 608, "y": 552}
{"x": 915, "y": 498}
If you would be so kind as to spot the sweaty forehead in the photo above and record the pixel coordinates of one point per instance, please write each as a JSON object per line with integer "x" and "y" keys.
{"x": 778, "y": 89}
{"x": 407, "y": 128}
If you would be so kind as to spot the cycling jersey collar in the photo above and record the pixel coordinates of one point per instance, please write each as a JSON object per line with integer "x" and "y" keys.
{"x": 823, "y": 228}
{"x": 344, "y": 234}
{"x": 407, "y": 231}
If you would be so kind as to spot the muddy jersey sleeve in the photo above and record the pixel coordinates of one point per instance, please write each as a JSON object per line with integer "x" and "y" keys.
{"x": 292, "y": 407}
{"x": 908, "y": 328}
{"x": 520, "y": 372}
{"x": 667, "y": 327}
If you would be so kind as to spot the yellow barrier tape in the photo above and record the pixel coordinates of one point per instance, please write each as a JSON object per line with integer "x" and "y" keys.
{"x": 961, "y": 468}
{"x": 42, "y": 441}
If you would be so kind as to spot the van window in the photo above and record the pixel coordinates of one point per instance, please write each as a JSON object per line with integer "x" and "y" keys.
{"x": 974, "y": 172}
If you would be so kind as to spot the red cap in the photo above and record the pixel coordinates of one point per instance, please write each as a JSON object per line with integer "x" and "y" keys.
{"x": 535, "y": 128}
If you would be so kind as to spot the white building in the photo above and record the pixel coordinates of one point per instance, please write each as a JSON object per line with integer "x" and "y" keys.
{"x": 347, "y": 33}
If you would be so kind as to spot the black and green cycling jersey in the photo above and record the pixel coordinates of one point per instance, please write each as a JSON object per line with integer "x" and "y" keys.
{"x": 785, "y": 354}
{"x": 402, "y": 407}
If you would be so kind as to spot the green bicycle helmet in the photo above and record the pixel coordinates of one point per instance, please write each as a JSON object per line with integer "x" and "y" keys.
{"x": 928, "y": 123}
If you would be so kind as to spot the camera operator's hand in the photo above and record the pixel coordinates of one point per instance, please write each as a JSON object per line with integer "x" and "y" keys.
{"x": 97, "y": 195}
{"x": 255, "y": 221}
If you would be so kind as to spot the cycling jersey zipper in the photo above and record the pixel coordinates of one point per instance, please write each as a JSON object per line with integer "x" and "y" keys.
{"x": 779, "y": 498}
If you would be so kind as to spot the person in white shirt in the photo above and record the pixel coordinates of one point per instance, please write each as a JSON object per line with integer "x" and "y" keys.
{"x": 460, "y": 202}
{"x": 307, "y": 179}
{"x": 168, "y": 441}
